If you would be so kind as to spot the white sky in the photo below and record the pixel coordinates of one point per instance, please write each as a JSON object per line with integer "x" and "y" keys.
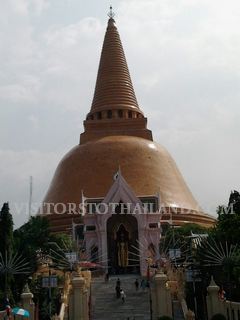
{"x": 184, "y": 59}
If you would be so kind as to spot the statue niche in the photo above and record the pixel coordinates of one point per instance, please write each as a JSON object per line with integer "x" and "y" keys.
{"x": 122, "y": 246}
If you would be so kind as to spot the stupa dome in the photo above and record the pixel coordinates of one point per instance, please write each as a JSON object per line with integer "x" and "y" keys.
{"x": 147, "y": 167}
{"x": 116, "y": 135}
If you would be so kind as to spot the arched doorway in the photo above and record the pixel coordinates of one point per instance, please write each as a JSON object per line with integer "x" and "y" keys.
{"x": 122, "y": 242}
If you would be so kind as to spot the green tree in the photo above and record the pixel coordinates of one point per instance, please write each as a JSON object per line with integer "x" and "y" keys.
{"x": 234, "y": 201}
{"x": 32, "y": 237}
{"x": 6, "y": 230}
{"x": 29, "y": 239}
{"x": 6, "y": 247}
{"x": 228, "y": 224}
{"x": 219, "y": 255}
{"x": 32, "y": 240}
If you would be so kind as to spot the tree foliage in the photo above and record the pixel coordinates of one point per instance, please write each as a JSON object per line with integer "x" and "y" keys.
{"x": 221, "y": 251}
{"x": 234, "y": 201}
{"x": 6, "y": 230}
{"x": 27, "y": 242}
{"x": 228, "y": 224}
{"x": 34, "y": 240}
{"x": 6, "y": 246}
{"x": 32, "y": 237}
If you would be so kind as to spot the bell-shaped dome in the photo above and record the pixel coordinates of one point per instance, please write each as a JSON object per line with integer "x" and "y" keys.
{"x": 116, "y": 135}
{"x": 147, "y": 167}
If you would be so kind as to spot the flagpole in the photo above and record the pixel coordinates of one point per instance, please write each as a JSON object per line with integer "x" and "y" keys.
{"x": 30, "y": 197}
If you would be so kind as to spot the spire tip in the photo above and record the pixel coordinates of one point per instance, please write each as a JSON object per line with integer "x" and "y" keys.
{"x": 111, "y": 14}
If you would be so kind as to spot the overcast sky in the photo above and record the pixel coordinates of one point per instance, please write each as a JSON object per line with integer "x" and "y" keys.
{"x": 184, "y": 60}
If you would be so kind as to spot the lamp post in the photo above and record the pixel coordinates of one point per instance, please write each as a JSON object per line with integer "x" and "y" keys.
{"x": 49, "y": 281}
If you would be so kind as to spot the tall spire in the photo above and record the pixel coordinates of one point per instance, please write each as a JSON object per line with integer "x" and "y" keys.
{"x": 114, "y": 89}
{"x": 114, "y": 109}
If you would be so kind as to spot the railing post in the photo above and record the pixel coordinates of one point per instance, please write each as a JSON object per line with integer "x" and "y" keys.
{"x": 28, "y": 304}
{"x": 79, "y": 298}
{"x": 161, "y": 296}
{"x": 214, "y": 304}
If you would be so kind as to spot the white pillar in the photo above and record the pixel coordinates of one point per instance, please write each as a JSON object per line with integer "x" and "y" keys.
{"x": 214, "y": 304}
{"x": 162, "y": 301}
{"x": 79, "y": 299}
{"x": 27, "y": 303}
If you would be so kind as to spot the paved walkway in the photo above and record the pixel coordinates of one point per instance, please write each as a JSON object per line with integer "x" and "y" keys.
{"x": 105, "y": 305}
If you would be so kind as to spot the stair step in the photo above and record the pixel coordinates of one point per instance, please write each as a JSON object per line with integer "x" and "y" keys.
{"x": 105, "y": 305}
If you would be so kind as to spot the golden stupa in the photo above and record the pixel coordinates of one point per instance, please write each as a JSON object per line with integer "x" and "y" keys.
{"x": 116, "y": 135}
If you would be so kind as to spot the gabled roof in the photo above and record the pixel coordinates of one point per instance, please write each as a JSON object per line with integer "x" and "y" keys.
{"x": 120, "y": 191}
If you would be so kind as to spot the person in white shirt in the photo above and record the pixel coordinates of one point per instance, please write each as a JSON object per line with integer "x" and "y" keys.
{"x": 123, "y": 295}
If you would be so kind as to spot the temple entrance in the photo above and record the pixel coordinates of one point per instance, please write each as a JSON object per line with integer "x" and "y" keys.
{"x": 122, "y": 240}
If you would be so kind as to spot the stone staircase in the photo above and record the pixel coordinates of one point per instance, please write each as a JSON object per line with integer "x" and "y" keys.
{"x": 105, "y": 305}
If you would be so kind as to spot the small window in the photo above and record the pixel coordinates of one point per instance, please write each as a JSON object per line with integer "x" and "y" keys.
{"x": 90, "y": 228}
{"x": 129, "y": 114}
{"x": 79, "y": 232}
{"x": 150, "y": 203}
{"x": 109, "y": 114}
{"x": 120, "y": 113}
{"x": 99, "y": 115}
{"x": 153, "y": 225}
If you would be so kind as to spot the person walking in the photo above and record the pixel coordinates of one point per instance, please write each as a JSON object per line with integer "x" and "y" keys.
{"x": 143, "y": 284}
{"x": 117, "y": 289}
{"x": 136, "y": 284}
{"x": 106, "y": 277}
{"x": 123, "y": 295}
{"x": 118, "y": 282}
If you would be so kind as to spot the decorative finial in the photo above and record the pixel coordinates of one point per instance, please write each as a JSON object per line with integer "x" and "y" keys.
{"x": 26, "y": 288}
{"x": 111, "y": 14}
